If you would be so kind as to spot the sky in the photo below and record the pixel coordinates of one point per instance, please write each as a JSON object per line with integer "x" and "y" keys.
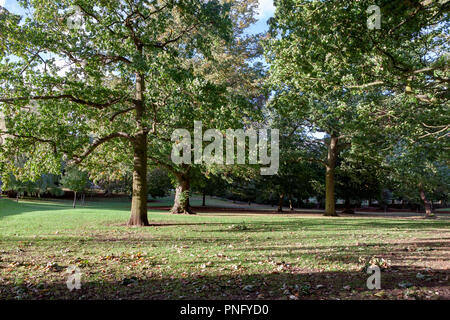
{"x": 266, "y": 10}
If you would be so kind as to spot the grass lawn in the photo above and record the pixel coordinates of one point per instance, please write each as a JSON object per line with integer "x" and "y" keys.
{"x": 215, "y": 255}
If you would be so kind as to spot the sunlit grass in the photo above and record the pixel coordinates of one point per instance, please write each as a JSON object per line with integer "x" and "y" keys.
{"x": 179, "y": 253}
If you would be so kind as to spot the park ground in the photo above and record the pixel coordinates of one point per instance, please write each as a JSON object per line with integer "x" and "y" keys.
{"x": 217, "y": 254}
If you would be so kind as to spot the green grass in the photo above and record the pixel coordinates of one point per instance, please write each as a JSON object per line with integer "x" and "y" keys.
{"x": 215, "y": 256}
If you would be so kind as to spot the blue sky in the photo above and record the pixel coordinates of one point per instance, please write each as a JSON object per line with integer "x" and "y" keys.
{"x": 11, "y": 5}
{"x": 266, "y": 10}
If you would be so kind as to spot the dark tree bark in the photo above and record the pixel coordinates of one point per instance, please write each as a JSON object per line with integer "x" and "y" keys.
{"x": 204, "y": 199}
{"x": 347, "y": 206}
{"x": 330, "y": 204}
{"x": 139, "y": 199}
{"x": 280, "y": 203}
{"x": 181, "y": 204}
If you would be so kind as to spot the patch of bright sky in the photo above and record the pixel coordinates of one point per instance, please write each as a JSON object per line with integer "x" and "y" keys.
{"x": 12, "y": 6}
{"x": 266, "y": 10}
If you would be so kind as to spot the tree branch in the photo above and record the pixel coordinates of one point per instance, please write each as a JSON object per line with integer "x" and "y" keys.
{"x": 120, "y": 112}
{"x": 99, "y": 142}
{"x": 64, "y": 96}
{"x": 53, "y": 143}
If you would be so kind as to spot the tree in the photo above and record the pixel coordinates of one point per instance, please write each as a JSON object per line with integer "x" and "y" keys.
{"x": 418, "y": 174}
{"x": 300, "y": 166}
{"x": 46, "y": 183}
{"x": 360, "y": 177}
{"x": 224, "y": 93}
{"x": 75, "y": 180}
{"x": 92, "y": 83}
{"x": 302, "y": 77}
{"x": 207, "y": 183}
{"x": 159, "y": 183}
{"x": 328, "y": 68}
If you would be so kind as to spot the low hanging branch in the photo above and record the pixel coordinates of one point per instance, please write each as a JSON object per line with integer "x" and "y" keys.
{"x": 37, "y": 139}
{"x": 98, "y": 142}
{"x": 99, "y": 106}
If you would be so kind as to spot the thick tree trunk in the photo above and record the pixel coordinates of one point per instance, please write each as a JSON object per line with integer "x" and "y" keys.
{"x": 139, "y": 197}
{"x": 426, "y": 202}
{"x": 330, "y": 204}
{"x": 181, "y": 204}
{"x": 280, "y": 203}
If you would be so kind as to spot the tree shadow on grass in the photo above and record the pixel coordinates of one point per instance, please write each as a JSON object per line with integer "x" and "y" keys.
{"x": 427, "y": 250}
{"x": 308, "y": 224}
{"x": 318, "y": 224}
{"x": 285, "y": 281}
{"x": 9, "y": 207}
{"x": 278, "y": 285}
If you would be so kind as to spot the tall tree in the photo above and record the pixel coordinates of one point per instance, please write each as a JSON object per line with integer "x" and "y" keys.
{"x": 418, "y": 175}
{"x": 333, "y": 70}
{"x": 75, "y": 180}
{"x": 90, "y": 77}
{"x": 225, "y": 92}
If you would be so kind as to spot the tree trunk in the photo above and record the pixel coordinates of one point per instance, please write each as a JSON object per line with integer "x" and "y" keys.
{"x": 74, "y": 199}
{"x": 204, "y": 199}
{"x": 139, "y": 198}
{"x": 426, "y": 202}
{"x": 280, "y": 203}
{"x": 330, "y": 205}
{"x": 181, "y": 204}
{"x": 347, "y": 206}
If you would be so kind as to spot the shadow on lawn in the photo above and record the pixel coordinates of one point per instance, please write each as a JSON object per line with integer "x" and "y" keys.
{"x": 285, "y": 281}
{"x": 279, "y": 285}
{"x": 9, "y": 207}
{"x": 341, "y": 224}
{"x": 431, "y": 250}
